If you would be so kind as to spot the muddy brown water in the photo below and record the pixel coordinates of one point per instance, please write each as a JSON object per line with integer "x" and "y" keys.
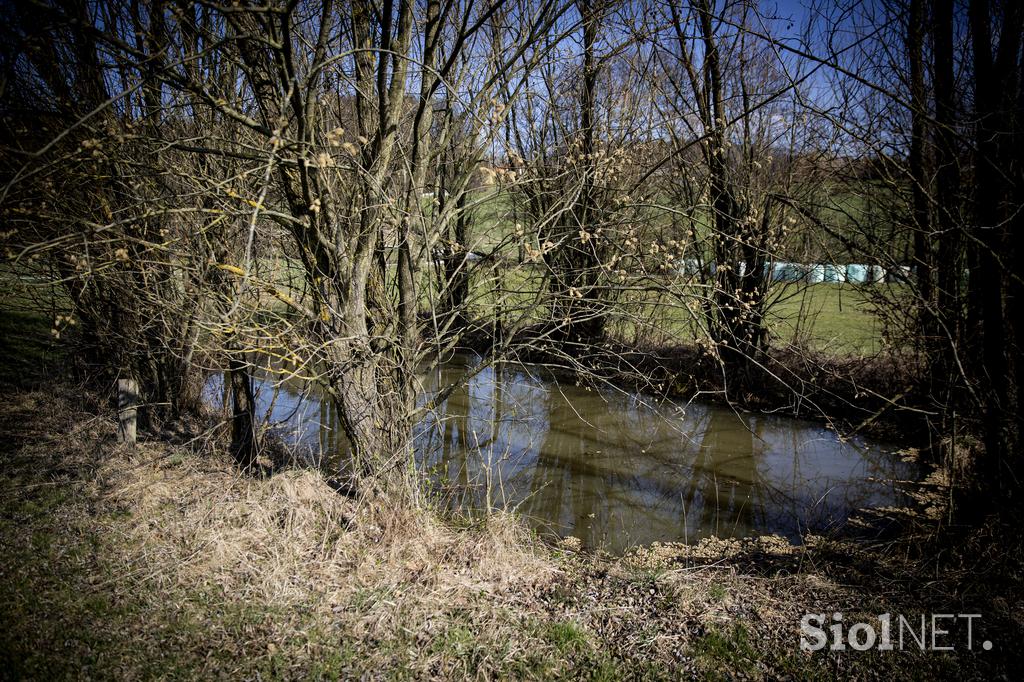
{"x": 614, "y": 469}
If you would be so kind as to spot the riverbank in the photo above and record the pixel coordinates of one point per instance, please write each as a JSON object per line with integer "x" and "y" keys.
{"x": 166, "y": 562}
{"x": 880, "y": 395}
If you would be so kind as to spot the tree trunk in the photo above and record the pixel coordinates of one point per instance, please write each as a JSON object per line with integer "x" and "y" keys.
{"x": 996, "y": 82}
{"x": 948, "y": 383}
{"x": 244, "y": 440}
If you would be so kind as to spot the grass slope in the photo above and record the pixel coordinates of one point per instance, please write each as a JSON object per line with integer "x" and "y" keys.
{"x": 164, "y": 562}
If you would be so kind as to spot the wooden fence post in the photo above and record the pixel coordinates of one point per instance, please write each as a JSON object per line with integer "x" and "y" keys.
{"x": 127, "y": 403}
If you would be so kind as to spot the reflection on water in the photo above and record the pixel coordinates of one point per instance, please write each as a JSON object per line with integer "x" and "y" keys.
{"x": 613, "y": 470}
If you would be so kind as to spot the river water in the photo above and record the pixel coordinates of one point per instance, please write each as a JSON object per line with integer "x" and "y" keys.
{"x": 615, "y": 469}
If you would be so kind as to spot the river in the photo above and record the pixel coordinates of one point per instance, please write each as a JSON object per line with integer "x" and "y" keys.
{"x": 613, "y": 468}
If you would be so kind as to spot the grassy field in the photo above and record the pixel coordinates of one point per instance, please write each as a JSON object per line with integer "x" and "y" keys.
{"x": 837, "y": 318}
{"x": 831, "y": 317}
{"x": 28, "y": 308}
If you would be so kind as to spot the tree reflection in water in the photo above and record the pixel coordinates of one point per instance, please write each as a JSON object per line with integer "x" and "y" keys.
{"x": 615, "y": 470}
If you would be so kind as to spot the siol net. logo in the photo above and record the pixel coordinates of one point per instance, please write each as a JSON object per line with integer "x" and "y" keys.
{"x": 925, "y": 632}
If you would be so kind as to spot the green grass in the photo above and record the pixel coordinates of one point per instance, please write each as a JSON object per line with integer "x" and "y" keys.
{"x": 839, "y": 319}
{"x": 566, "y": 636}
{"x": 24, "y": 341}
{"x": 717, "y": 592}
{"x": 726, "y": 652}
{"x": 833, "y": 317}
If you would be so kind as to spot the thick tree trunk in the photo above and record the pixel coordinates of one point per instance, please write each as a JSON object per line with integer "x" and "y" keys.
{"x": 920, "y": 180}
{"x": 244, "y": 439}
{"x": 995, "y": 97}
{"x": 949, "y": 199}
{"x": 372, "y": 400}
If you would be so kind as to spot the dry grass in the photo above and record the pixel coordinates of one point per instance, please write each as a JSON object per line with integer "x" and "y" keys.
{"x": 164, "y": 562}
{"x": 291, "y": 540}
